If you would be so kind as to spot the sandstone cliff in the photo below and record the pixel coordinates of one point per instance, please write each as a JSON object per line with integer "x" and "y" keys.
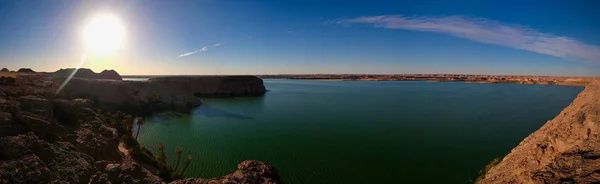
{"x": 140, "y": 97}
{"x": 48, "y": 138}
{"x": 564, "y": 150}
{"x": 220, "y": 86}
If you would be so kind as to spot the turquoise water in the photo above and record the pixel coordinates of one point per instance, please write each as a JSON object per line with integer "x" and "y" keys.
{"x": 360, "y": 131}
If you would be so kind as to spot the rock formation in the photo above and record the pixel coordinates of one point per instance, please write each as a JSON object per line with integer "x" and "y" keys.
{"x": 25, "y": 70}
{"x": 219, "y": 86}
{"x": 7, "y": 81}
{"x": 89, "y": 74}
{"x": 4, "y": 70}
{"x": 48, "y": 138}
{"x": 249, "y": 171}
{"x": 564, "y": 150}
{"x": 140, "y": 97}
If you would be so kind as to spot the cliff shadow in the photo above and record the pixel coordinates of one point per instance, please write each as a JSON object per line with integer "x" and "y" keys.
{"x": 209, "y": 111}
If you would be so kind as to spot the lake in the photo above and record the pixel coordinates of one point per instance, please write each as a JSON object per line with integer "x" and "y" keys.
{"x": 360, "y": 131}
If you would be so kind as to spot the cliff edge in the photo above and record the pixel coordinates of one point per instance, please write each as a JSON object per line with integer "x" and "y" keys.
{"x": 217, "y": 86}
{"x": 564, "y": 150}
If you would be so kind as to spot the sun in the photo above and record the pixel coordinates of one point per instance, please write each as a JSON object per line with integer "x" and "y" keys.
{"x": 104, "y": 34}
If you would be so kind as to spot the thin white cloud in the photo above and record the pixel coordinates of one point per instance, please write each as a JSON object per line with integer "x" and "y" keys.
{"x": 487, "y": 31}
{"x": 205, "y": 48}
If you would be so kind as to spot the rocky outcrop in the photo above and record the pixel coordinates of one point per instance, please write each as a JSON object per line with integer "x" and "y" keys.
{"x": 217, "y": 86}
{"x": 88, "y": 74}
{"x": 4, "y": 70}
{"x": 139, "y": 97}
{"x": 26, "y": 158}
{"x": 249, "y": 171}
{"x": 109, "y": 74}
{"x": 60, "y": 139}
{"x": 25, "y": 70}
{"x": 7, "y": 81}
{"x": 564, "y": 150}
{"x": 125, "y": 172}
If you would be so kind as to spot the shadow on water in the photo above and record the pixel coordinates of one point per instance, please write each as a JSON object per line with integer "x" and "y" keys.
{"x": 209, "y": 111}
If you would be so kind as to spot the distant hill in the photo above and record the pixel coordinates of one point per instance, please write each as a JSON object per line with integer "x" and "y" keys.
{"x": 88, "y": 73}
{"x": 4, "y": 70}
{"x": 26, "y": 70}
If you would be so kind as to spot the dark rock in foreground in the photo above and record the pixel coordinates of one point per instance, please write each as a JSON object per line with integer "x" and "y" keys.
{"x": 249, "y": 171}
{"x": 215, "y": 86}
{"x": 565, "y": 150}
{"x": 89, "y": 74}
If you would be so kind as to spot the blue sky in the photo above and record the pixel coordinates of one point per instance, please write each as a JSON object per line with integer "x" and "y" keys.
{"x": 537, "y": 37}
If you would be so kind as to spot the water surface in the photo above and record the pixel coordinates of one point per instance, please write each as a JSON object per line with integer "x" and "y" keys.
{"x": 360, "y": 131}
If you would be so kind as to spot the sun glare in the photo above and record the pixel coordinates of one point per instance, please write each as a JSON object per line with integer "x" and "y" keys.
{"x": 104, "y": 35}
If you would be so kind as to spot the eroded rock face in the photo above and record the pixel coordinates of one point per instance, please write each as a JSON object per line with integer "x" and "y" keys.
{"x": 27, "y": 159}
{"x": 139, "y": 97}
{"x": 125, "y": 172}
{"x": 88, "y": 74}
{"x": 98, "y": 140}
{"x": 7, "y": 81}
{"x": 565, "y": 150}
{"x": 249, "y": 171}
{"x": 219, "y": 86}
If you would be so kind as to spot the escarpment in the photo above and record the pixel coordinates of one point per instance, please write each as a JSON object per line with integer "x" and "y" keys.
{"x": 215, "y": 86}
{"x": 64, "y": 137}
{"x": 88, "y": 74}
{"x": 564, "y": 150}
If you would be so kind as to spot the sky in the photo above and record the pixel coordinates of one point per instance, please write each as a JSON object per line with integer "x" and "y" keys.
{"x": 216, "y": 37}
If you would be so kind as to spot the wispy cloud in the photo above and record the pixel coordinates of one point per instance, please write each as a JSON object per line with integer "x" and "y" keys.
{"x": 200, "y": 50}
{"x": 487, "y": 31}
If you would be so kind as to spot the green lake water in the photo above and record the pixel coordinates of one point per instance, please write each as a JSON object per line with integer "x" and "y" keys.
{"x": 360, "y": 131}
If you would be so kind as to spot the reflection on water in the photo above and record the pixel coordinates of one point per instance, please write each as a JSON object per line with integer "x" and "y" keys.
{"x": 135, "y": 79}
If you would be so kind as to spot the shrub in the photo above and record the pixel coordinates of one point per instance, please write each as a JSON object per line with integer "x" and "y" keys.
{"x": 487, "y": 168}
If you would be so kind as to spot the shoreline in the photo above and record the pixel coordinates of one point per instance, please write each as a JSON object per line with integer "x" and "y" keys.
{"x": 559, "y": 83}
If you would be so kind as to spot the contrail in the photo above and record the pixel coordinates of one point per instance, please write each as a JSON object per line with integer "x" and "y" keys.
{"x": 83, "y": 58}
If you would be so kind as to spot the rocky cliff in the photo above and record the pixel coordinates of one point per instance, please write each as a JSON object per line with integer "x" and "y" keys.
{"x": 64, "y": 138}
{"x": 219, "y": 86}
{"x": 139, "y": 97}
{"x": 564, "y": 150}
{"x": 89, "y": 74}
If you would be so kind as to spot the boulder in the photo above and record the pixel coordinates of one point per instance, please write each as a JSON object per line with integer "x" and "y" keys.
{"x": 249, "y": 171}
{"x": 37, "y": 105}
{"x": 41, "y": 127}
{"x": 10, "y": 127}
{"x": 98, "y": 140}
{"x": 125, "y": 172}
